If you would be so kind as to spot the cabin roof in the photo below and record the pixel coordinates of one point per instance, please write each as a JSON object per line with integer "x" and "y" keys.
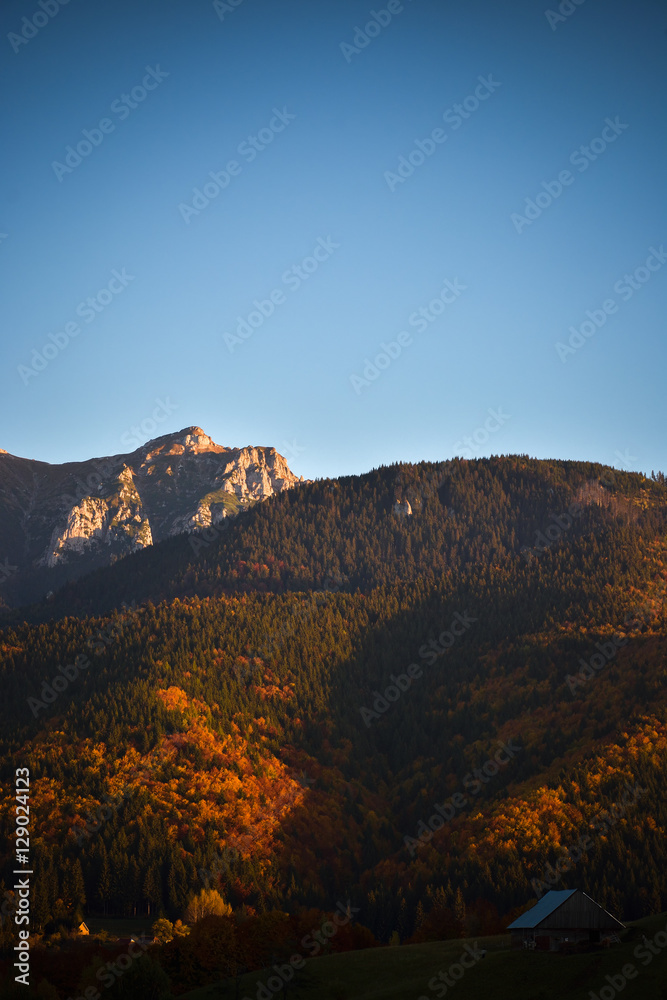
{"x": 549, "y": 902}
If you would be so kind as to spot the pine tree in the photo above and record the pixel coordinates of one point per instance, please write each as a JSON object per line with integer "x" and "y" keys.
{"x": 460, "y": 910}
{"x": 177, "y": 885}
{"x": 104, "y": 879}
{"x": 151, "y": 889}
{"x": 78, "y": 889}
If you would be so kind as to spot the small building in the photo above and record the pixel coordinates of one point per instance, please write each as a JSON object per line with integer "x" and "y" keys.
{"x": 564, "y": 918}
{"x": 83, "y": 928}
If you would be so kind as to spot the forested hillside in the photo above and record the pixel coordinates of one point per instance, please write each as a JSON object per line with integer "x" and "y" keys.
{"x": 406, "y": 688}
{"x": 355, "y": 533}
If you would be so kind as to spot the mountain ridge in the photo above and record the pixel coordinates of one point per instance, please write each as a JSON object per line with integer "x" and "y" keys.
{"x": 77, "y": 516}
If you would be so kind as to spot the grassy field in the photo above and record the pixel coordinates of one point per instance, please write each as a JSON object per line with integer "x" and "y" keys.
{"x": 403, "y": 973}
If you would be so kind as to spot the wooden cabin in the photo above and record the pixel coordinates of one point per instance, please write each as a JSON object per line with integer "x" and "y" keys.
{"x": 562, "y": 919}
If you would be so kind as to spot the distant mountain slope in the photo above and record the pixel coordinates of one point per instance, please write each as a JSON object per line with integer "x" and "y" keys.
{"x": 308, "y": 701}
{"x": 227, "y": 735}
{"x": 75, "y": 517}
{"x": 400, "y": 522}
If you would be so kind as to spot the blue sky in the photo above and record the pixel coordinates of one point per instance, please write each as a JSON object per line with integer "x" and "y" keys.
{"x": 335, "y": 124}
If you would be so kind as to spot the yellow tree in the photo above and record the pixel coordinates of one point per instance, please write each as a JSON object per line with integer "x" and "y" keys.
{"x": 206, "y": 903}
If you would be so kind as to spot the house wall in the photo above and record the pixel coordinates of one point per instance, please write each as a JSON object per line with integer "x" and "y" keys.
{"x": 553, "y": 939}
{"x": 577, "y": 912}
{"x": 548, "y": 940}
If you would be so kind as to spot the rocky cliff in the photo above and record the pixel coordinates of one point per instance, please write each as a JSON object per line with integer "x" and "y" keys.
{"x": 75, "y": 517}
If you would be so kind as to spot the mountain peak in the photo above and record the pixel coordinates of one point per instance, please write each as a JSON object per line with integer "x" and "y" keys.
{"x": 190, "y": 440}
{"x": 78, "y": 516}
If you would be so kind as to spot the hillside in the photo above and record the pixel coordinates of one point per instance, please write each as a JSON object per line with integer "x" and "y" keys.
{"x": 310, "y": 704}
{"x": 397, "y": 973}
{"x": 422, "y": 522}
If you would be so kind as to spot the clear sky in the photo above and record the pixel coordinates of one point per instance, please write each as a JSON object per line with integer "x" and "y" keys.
{"x": 305, "y": 121}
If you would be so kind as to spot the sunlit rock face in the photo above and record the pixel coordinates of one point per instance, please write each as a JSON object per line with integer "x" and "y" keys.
{"x": 97, "y": 511}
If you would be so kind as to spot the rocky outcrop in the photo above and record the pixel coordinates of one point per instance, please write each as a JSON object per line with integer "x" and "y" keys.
{"x": 97, "y": 511}
{"x": 402, "y": 508}
{"x": 243, "y": 477}
{"x": 117, "y": 521}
